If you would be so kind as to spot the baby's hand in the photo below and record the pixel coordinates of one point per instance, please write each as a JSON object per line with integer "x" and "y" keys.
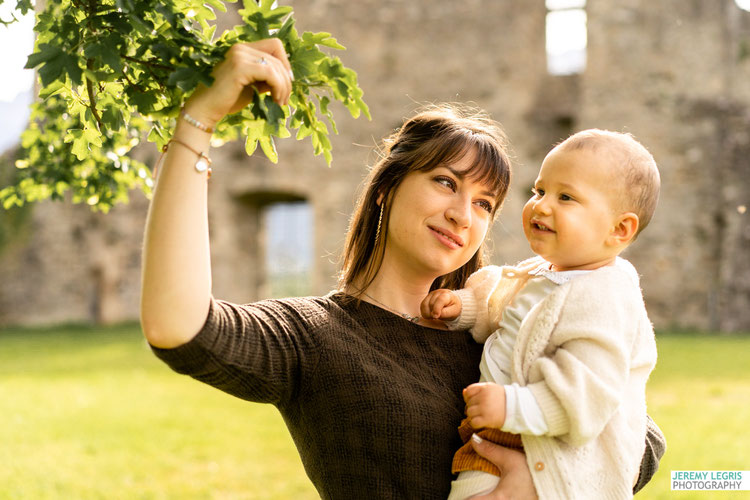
{"x": 485, "y": 405}
{"x": 441, "y": 304}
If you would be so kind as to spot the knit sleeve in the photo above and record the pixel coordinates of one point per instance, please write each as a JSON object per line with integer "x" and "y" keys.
{"x": 586, "y": 371}
{"x": 256, "y": 352}
{"x": 467, "y": 318}
{"x": 656, "y": 445}
{"x": 475, "y": 303}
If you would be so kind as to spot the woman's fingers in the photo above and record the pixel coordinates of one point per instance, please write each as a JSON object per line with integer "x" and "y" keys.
{"x": 271, "y": 53}
{"x": 261, "y": 65}
{"x": 282, "y": 87}
{"x": 267, "y": 67}
{"x": 516, "y": 481}
{"x": 274, "y": 47}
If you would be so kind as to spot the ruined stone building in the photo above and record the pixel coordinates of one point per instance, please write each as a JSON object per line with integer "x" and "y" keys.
{"x": 675, "y": 73}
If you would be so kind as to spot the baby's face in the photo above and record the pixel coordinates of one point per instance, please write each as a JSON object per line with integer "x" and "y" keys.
{"x": 571, "y": 215}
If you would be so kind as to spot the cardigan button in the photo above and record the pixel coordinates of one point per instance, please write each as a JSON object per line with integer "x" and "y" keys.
{"x": 539, "y": 466}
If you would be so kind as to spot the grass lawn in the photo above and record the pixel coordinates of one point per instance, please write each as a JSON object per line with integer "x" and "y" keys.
{"x": 91, "y": 414}
{"x": 699, "y": 394}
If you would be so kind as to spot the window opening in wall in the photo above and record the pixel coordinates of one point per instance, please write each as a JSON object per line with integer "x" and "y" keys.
{"x": 743, "y": 4}
{"x": 289, "y": 248}
{"x": 566, "y": 36}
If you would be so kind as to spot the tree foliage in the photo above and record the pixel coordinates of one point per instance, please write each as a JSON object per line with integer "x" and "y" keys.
{"x": 115, "y": 71}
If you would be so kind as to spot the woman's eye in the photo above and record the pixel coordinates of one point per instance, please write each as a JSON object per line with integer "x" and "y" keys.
{"x": 486, "y": 205}
{"x": 447, "y": 182}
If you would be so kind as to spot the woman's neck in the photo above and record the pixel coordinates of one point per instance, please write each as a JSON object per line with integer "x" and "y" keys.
{"x": 401, "y": 292}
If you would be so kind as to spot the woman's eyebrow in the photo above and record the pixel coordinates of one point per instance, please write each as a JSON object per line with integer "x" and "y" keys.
{"x": 462, "y": 175}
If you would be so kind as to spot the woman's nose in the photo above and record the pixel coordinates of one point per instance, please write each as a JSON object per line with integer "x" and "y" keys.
{"x": 459, "y": 213}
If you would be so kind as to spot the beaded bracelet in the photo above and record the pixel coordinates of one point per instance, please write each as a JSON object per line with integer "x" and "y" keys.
{"x": 195, "y": 123}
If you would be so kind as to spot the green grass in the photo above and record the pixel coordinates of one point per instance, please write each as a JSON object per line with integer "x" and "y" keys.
{"x": 699, "y": 394}
{"x": 89, "y": 413}
{"x": 92, "y": 414}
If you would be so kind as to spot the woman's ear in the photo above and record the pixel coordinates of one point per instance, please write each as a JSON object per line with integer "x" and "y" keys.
{"x": 624, "y": 230}
{"x": 379, "y": 199}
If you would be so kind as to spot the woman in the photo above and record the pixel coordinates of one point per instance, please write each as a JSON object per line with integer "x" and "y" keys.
{"x": 371, "y": 392}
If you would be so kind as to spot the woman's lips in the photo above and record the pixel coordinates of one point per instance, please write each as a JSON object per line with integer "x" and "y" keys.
{"x": 447, "y": 238}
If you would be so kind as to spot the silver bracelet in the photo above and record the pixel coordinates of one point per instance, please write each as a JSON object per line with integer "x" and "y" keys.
{"x": 195, "y": 123}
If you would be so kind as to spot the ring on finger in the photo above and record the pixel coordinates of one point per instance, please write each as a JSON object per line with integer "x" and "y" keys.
{"x": 262, "y": 61}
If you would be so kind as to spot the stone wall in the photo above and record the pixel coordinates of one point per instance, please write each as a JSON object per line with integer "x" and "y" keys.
{"x": 68, "y": 264}
{"x": 672, "y": 73}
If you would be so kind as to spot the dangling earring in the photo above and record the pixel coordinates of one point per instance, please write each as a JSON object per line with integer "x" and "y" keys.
{"x": 380, "y": 221}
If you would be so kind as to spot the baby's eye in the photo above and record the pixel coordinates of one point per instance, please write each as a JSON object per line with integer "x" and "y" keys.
{"x": 537, "y": 192}
{"x": 446, "y": 181}
{"x": 486, "y": 205}
{"x": 566, "y": 197}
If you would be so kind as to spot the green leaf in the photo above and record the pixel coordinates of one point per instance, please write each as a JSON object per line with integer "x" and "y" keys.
{"x": 113, "y": 118}
{"x": 287, "y": 31}
{"x": 92, "y": 136}
{"x": 53, "y": 88}
{"x": 106, "y": 53}
{"x": 269, "y": 148}
{"x": 282, "y": 132}
{"x": 46, "y": 53}
{"x": 305, "y": 61}
{"x": 80, "y": 144}
{"x": 186, "y": 78}
{"x": 156, "y": 135}
{"x": 73, "y": 69}
{"x": 303, "y": 132}
{"x": 274, "y": 113}
{"x": 322, "y": 38}
{"x": 142, "y": 102}
{"x": 53, "y": 62}
{"x": 254, "y": 131}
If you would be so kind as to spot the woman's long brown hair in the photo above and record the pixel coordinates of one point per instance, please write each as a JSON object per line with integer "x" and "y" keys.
{"x": 437, "y": 135}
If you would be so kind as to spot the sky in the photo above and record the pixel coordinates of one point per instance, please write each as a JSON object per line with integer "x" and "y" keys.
{"x": 17, "y": 42}
{"x": 20, "y": 37}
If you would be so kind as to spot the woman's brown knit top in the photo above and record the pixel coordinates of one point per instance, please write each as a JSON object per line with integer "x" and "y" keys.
{"x": 372, "y": 401}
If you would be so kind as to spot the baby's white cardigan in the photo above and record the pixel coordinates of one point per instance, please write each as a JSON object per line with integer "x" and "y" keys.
{"x": 585, "y": 352}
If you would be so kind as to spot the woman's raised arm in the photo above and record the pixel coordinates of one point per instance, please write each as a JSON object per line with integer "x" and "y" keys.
{"x": 176, "y": 279}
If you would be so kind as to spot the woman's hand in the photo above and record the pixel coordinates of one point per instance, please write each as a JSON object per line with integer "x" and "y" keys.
{"x": 515, "y": 477}
{"x": 261, "y": 65}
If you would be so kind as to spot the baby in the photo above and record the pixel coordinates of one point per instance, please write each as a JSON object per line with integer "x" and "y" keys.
{"x": 569, "y": 346}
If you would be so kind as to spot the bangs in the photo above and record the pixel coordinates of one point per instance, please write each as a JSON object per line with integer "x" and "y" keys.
{"x": 489, "y": 167}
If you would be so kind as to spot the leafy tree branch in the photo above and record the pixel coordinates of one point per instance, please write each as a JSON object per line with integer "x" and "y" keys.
{"x": 115, "y": 71}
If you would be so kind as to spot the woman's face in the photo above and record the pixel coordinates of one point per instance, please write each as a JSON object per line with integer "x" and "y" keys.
{"x": 438, "y": 220}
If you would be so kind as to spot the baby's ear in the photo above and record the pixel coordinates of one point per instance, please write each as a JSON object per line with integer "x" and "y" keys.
{"x": 624, "y": 230}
